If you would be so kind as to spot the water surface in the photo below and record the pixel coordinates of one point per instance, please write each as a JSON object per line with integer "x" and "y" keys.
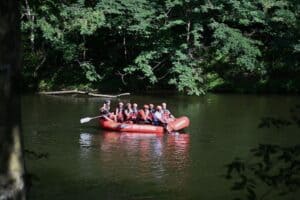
{"x": 83, "y": 161}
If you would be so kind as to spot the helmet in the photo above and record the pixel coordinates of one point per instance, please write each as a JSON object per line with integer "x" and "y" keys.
{"x": 107, "y": 101}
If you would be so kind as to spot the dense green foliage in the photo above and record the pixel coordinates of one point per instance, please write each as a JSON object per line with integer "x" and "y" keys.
{"x": 191, "y": 45}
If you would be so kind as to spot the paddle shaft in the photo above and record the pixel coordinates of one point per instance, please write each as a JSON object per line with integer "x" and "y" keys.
{"x": 88, "y": 119}
{"x": 96, "y": 117}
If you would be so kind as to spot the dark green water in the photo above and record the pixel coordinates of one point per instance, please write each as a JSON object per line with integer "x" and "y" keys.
{"x": 85, "y": 162}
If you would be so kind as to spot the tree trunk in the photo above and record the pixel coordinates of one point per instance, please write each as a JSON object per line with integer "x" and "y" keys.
{"x": 188, "y": 32}
{"x": 84, "y": 48}
{"x": 84, "y": 92}
{"x": 12, "y": 185}
{"x": 125, "y": 47}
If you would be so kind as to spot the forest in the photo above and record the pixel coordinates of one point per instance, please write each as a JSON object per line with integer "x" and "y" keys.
{"x": 189, "y": 46}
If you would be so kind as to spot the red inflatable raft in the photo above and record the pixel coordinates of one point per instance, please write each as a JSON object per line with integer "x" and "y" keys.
{"x": 176, "y": 125}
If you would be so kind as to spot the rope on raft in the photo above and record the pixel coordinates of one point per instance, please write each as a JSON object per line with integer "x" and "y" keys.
{"x": 83, "y": 92}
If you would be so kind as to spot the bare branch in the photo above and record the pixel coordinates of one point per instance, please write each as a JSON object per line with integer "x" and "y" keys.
{"x": 163, "y": 76}
{"x": 39, "y": 66}
{"x": 122, "y": 75}
{"x": 159, "y": 64}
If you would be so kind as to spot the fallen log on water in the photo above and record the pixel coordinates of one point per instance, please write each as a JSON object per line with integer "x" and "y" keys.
{"x": 64, "y": 92}
{"x": 83, "y": 92}
{"x": 107, "y": 95}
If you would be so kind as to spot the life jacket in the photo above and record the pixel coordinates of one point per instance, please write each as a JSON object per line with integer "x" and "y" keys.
{"x": 141, "y": 114}
{"x": 129, "y": 114}
{"x": 120, "y": 114}
{"x": 166, "y": 114}
{"x": 149, "y": 115}
{"x": 134, "y": 113}
{"x": 144, "y": 116}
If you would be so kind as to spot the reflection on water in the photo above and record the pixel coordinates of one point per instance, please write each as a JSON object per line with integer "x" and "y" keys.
{"x": 148, "y": 157}
{"x": 87, "y": 163}
{"x": 85, "y": 139}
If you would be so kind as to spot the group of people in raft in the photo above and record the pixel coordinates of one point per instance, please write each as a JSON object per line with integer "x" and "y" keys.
{"x": 130, "y": 113}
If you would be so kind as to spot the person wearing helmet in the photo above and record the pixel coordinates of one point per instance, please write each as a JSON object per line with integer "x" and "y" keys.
{"x": 120, "y": 112}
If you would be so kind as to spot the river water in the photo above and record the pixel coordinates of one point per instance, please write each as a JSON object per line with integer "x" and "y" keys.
{"x": 68, "y": 160}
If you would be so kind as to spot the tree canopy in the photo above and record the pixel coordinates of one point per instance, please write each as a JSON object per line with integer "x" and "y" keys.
{"x": 193, "y": 46}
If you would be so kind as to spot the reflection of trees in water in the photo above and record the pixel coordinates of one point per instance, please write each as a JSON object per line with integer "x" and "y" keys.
{"x": 30, "y": 154}
{"x": 272, "y": 170}
{"x": 32, "y": 178}
{"x": 294, "y": 119}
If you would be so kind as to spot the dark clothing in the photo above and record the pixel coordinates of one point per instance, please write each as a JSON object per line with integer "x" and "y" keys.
{"x": 152, "y": 111}
{"x": 104, "y": 110}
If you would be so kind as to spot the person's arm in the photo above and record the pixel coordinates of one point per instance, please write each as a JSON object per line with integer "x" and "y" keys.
{"x": 172, "y": 116}
{"x": 162, "y": 120}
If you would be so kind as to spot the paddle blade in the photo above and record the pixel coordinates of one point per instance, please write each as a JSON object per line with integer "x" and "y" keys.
{"x": 85, "y": 120}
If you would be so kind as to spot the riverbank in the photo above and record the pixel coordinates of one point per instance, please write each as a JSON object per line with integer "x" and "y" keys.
{"x": 264, "y": 87}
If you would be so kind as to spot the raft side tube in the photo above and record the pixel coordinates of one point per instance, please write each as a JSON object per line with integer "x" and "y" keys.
{"x": 124, "y": 127}
{"x": 179, "y": 123}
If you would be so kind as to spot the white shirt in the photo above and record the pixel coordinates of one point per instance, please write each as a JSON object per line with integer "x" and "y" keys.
{"x": 158, "y": 116}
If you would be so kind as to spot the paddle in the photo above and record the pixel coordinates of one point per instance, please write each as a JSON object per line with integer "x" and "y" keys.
{"x": 87, "y": 119}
